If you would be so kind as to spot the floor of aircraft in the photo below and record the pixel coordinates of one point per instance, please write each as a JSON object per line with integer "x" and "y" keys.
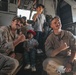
{"x": 39, "y": 69}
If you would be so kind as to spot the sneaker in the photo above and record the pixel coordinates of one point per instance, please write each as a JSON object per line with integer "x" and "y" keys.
{"x": 33, "y": 68}
{"x": 39, "y": 51}
{"x": 27, "y": 66}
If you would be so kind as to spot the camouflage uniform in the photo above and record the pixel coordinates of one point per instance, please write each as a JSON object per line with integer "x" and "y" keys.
{"x": 53, "y": 42}
{"x": 7, "y": 64}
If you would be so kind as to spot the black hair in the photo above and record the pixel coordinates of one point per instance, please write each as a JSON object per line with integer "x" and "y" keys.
{"x": 24, "y": 18}
{"x": 40, "y": 5}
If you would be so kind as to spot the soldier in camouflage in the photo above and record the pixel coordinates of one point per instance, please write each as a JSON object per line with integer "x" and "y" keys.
{"x": 8, "y": 40}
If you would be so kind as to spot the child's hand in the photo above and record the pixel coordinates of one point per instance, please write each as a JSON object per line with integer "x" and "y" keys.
{"x": 35, "y": 46}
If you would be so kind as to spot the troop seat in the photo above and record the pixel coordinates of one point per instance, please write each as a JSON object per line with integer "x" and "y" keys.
{"x": 19, "y": 57}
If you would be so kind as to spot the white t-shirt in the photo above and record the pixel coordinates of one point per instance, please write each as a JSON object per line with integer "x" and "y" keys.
{"x": 38, "y": 25}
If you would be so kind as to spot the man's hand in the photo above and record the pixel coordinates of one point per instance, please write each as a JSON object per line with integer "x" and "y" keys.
{"x": 12, "y": 55}
{"x": 21, "y": 37}
{"x": 68, "y": 67}
{"x": 63, "y": 46}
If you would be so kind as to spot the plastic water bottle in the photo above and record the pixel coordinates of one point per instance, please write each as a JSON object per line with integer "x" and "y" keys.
{"x": 60, "y": 69}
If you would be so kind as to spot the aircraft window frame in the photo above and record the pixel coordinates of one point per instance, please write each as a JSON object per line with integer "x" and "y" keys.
{"x": 21, "y": 14}
{"x": 33, "y": 12}
{"x": 28, "y": 13}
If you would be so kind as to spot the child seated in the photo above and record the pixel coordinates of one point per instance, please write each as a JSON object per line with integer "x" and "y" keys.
{"x": 30, "y": 50}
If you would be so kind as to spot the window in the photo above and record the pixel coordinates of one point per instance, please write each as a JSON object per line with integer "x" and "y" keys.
{"x": 33, "y": 12}
{"x": 22, "y": 12}
{"x": 3, "y": 5}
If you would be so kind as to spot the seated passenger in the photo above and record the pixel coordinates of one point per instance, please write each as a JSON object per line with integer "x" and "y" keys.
{"x": 8, "y": 40}
{"x": 30, "y": 50}
{"x": 60, "y": 48}
{"x": 26, "y": 26}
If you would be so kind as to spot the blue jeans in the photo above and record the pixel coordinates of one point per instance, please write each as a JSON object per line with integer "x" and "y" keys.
{"x": 30, "y": 56}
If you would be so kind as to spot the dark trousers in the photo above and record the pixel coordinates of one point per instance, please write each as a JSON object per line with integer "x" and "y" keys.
{"x": 39, "y": 38}
{"x": 30, "y": 56}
